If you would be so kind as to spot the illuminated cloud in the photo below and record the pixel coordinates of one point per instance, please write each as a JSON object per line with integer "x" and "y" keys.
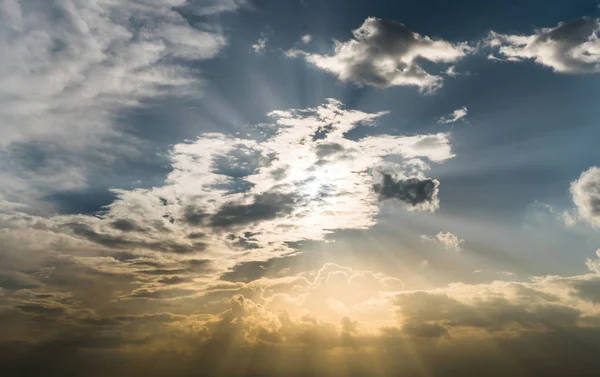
{"x": 446, "y": 239}
{"x": 455, "y": 116}
{"x": 586, "y": 195}
{"x": 260, "y": 46}
{"x": 569, "y": 47}
{"x": 385, "y": 53}
{"x": 271, "y": 326}
{"x": 69, "y": 66}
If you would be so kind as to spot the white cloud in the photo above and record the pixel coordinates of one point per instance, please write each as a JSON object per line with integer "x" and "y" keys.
{"x": 454, "y": 116}
{"x": 569, "y": 47}
{"x": 307, "y": 38}
{"x": 235, "y": 200}
{"x": 446, "y": 239}
{"x": 586, "y": 196}
{"x": 260, "y": 46}
{"x": 69, "y": 66}
{"x": 385, "y": 53}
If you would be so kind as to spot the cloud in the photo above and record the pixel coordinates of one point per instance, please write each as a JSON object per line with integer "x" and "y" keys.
{"x": 304, "y": 177}
{"x": 306, "y": 39}
{"x": 454, "y": 116}
{"x": 264, "y": 325}
{"x": 385, "y": 53}
{"x": 586, "y": 195}
{"x": 447, "y": 239}
{"x": 73, "y": 66}
{"x": 260, "y": 46}
{"x": 569, "y": 47}
{"x": 418, "y": 193}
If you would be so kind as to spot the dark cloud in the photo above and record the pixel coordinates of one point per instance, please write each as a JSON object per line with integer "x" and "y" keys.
{"x": 113, "y": 241}
{"x": 194, "y": 216}
{"x": 492, "y": 313}
{"x": 424, "y": 330}
{"x": 414, "y": 191}
{"x": 126, "y": 225}
{"x": 588, "y": 290}
{"x": 586, "y": 195}
{"x": 265, "y": 206}
{"x": 322, "y": 132}
{"x": 161, "y": 294}
{"x": 323, "y": 150}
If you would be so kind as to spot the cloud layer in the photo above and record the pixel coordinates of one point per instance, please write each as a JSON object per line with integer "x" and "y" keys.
{"x": 68, "y": 68}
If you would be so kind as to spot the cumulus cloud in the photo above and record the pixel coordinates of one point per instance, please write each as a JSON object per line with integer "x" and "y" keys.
{"x": 448, "y": 240}
{"x": 70, "y": 66}
{"x": 385, "y": 53}
{"x": 455, "y": 116}
{"x": 586, "y": 195}
{"x": 569, "y": 47}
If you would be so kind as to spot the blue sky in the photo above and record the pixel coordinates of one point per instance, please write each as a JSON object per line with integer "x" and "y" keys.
{"x": 212, "y": 164}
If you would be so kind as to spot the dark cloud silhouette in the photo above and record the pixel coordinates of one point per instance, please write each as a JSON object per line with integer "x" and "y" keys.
{"x": 194, "y": 216}
{"x": 413, "y": 191}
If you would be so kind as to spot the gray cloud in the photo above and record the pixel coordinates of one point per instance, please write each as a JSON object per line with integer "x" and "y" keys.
{"x": 417, "y": 192}
{"x": 265, "y": 206}
{"x": 386, "y": 53}
{"x": 119, "y": 241}
{"x": 569, "y": 47}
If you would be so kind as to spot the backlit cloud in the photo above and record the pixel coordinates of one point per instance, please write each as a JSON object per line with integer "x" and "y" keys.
{"x": 569, "y": 47}
{"x": 386, "y": 53}
{"x": 455, "y": 116}
{"x": 586, "y": 195}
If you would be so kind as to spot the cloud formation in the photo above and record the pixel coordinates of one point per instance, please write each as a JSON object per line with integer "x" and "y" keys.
{"x": 328, "y": 321}
{"x": 455, "y": 116}
{"x": 448, "y": 240}
{"x": 418, "y": 193}
{"x": 586, "y": 195}
{"x": 70, "y": 66}
{"x": 386, "y": 53}
{"x": 230, "y": 200}
{"x": 569, "y": 47}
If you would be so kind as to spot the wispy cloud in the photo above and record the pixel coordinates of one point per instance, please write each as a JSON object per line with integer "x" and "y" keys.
{"x": 455, "y": 116}
{"x": 69, "y": 66}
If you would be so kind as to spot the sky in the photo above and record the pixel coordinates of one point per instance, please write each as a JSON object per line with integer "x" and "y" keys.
{"x": 299, "y": 188}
